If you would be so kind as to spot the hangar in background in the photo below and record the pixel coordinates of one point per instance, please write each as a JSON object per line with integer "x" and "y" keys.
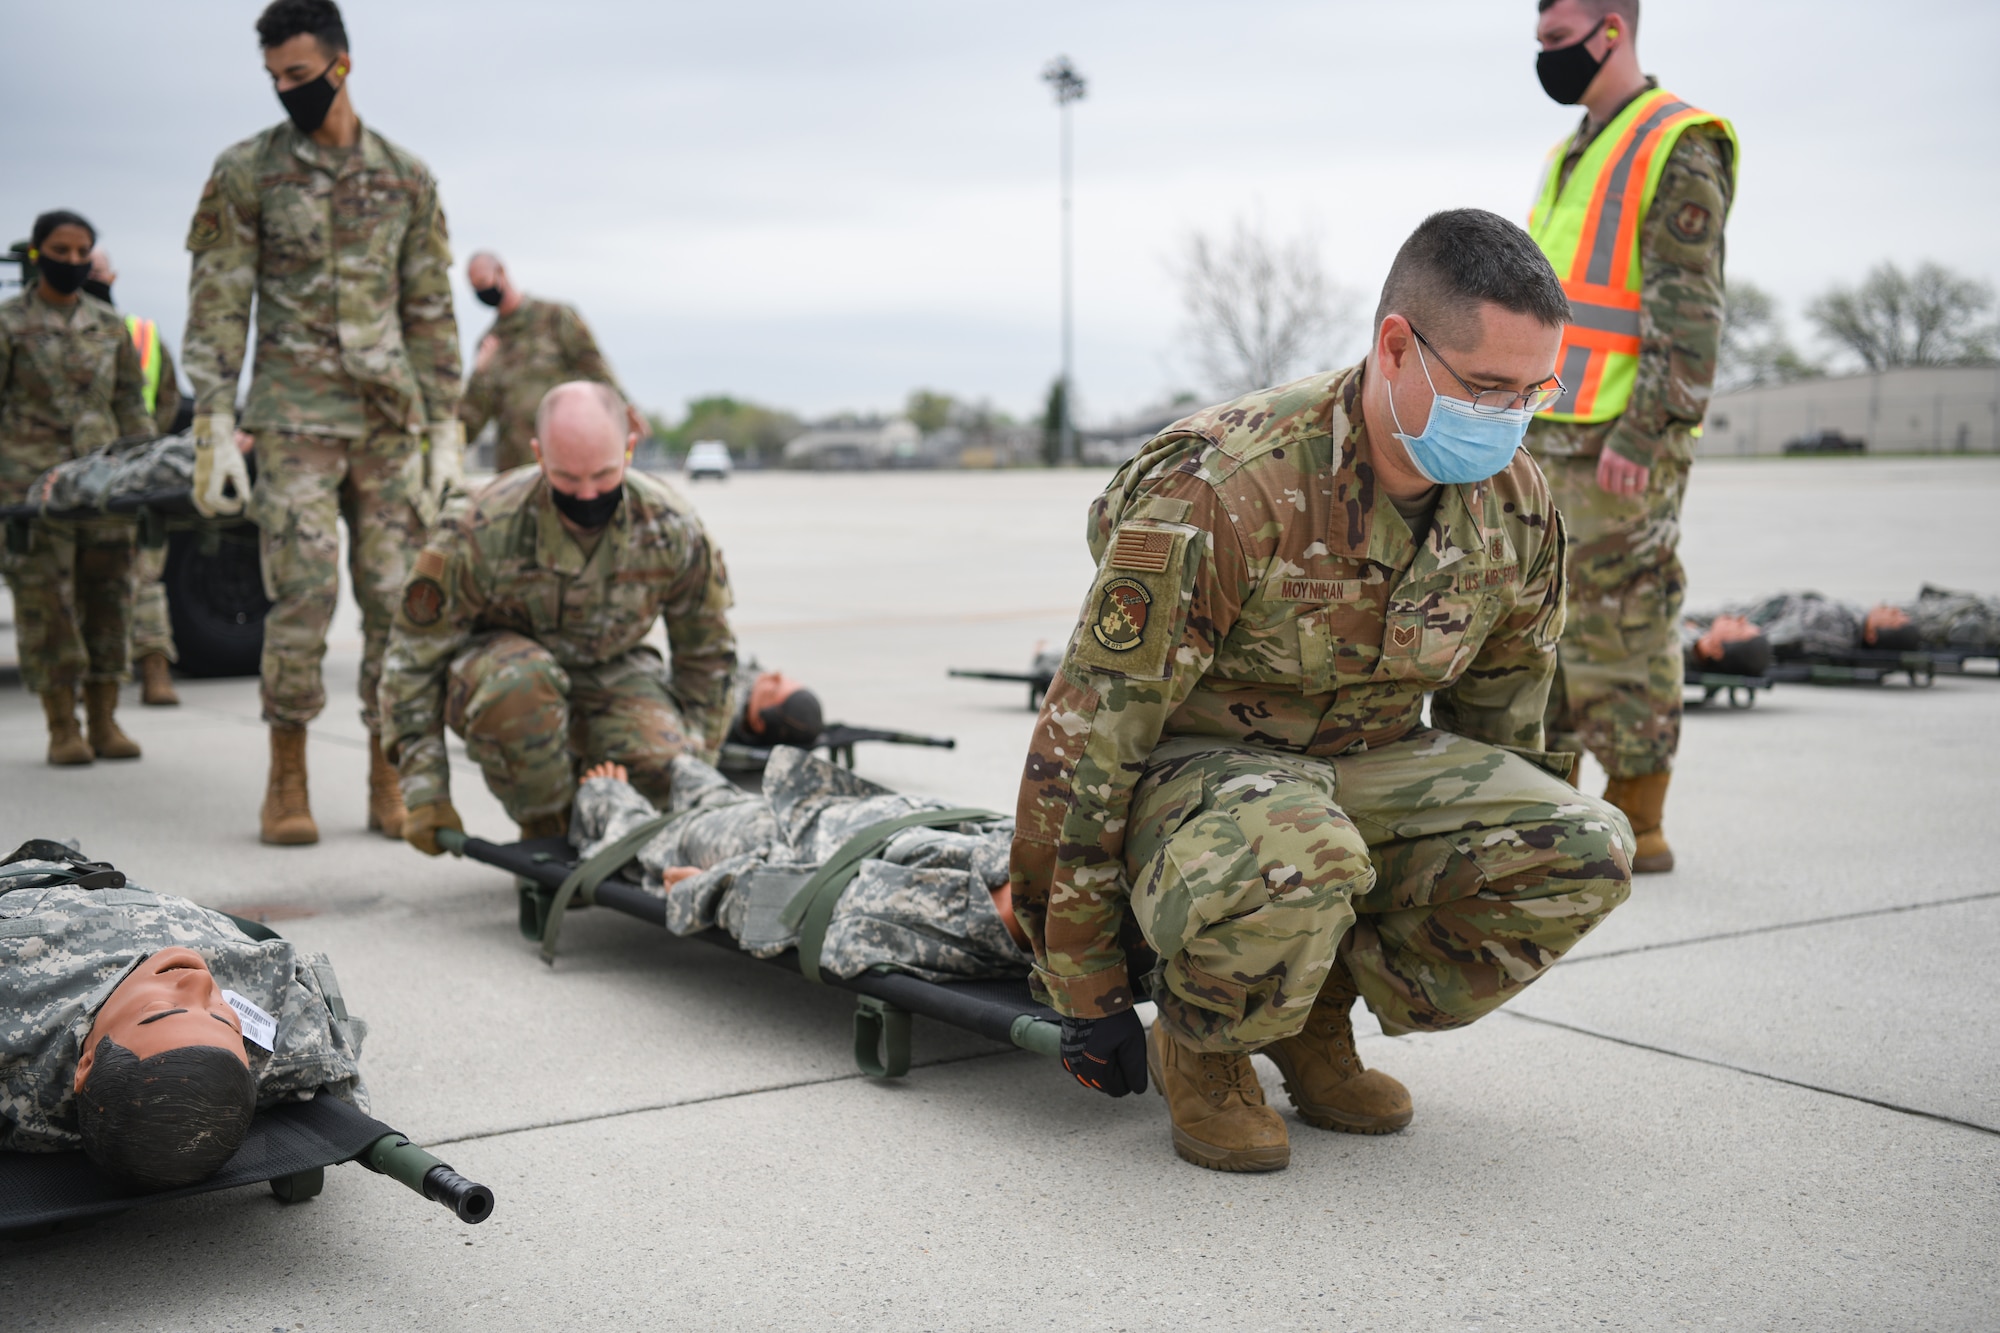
{"x": 1918, "y": 410}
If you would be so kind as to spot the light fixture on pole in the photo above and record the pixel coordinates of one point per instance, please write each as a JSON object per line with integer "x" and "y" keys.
{"x": 1068, "y": 86}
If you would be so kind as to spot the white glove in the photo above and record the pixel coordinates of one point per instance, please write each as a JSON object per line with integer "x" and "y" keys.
{"x": 218, "y": 464}
{"x": 444, "y": 465}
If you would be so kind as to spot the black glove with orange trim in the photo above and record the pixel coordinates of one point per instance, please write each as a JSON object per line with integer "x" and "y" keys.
{"x": 1106, "y": 1054}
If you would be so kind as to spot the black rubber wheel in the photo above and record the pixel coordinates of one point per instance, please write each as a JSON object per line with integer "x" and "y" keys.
{"x": 216, "y": 600}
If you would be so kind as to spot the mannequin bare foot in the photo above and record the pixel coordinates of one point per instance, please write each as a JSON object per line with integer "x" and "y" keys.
{"x": 607, "y": 769}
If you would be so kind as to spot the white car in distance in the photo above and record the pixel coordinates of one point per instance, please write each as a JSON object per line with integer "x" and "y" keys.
{"x": 709, "y": 458}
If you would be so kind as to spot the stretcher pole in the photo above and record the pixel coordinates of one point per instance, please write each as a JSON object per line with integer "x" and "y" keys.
{"x": 394, "y": 1156}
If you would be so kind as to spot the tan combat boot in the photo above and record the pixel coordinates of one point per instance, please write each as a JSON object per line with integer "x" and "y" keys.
{"x": 1328, "y": 1084}
{"x": 156, "y": 682}
{"x": 1644, "y": 801}
{"x": 100, "y": 703}
{"x": 66, "y": 742}
{"x": 546, "y": 826}
{"x": 287, "y": 817}
{"x": 1217, "y": 1106}
{"x": 385, "y": 792}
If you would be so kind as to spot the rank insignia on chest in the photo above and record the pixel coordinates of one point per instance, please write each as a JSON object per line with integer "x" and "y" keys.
{"x": 1496, "y": 548}
{"x": 1136, "y": 548}
{"x": 1122, "y": 612}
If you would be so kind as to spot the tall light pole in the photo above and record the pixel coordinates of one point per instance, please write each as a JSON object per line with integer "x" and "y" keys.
{"x": 1068, "y": 86}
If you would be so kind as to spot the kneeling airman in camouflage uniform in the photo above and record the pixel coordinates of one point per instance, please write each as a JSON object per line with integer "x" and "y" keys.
{"x": 1232, "y": 800}
{"x": 524, "y": 627}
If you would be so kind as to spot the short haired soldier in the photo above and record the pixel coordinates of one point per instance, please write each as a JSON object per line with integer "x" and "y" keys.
{"x": 1232, "y": 801}
{"x": 523, "y": 629}
{"x": 120, "y": 1035}
{"x": 533, "y": 346}
{"x": 70, "y": 382}
{"x": 339, "y": 238}
{"x": 1631, "y": 213}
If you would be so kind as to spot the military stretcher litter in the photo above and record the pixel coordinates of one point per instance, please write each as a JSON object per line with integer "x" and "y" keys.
{"x": 289, "y": 1147}
{"x": 892, "y": 909}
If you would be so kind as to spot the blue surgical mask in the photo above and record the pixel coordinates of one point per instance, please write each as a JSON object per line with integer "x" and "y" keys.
{"x": 1460, "y": 443}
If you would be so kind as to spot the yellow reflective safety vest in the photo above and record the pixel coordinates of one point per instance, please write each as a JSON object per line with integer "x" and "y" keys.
{"x": 146, "y": 337}
{"x": 1589, "y": 229}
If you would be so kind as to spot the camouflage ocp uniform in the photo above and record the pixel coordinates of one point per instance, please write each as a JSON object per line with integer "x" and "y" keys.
{"x": 347, "y": 258}
{"x": 69, "y": 383}
{"x": 63, "y": 950}
{"x": 1617, "y": 692}
{"x": 537, "y": 346}
{"x": 152, "y": 627}
{"x": 533, "y": 648}
{"x": 1231, "y": 776}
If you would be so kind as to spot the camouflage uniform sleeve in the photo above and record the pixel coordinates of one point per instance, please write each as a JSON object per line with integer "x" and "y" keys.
{"x": 481, "y": 402}
{"x": 580, "y": 351}
{"x": 1502, "y": 695}
{"x": 430, "y": 330}
{"x": 222, "y": 279}
{"x": 128, "y": 392}
{"x": 1165, "y": 595}
{"x": 167, "y": 405}
{"x": 441, "y": 603}
{"x": 1681, "y": 299}
{"x": 701, "y": 647}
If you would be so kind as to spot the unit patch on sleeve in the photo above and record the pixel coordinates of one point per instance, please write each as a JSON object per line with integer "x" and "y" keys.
{"x": 1124, "y": 608}
{"x": 423, "y": 601}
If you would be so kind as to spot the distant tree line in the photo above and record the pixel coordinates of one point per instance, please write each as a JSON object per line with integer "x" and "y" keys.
{"x": 1929, "y": 316}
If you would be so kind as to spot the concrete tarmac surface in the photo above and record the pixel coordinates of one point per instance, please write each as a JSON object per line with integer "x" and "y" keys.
{"x": 1764, "y": 1095}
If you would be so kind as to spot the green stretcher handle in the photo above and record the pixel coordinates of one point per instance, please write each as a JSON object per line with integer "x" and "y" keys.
{"x": 395, "y": 1156}
{"x": 452, "y": 840}
{"x": 1037, "y": 1035}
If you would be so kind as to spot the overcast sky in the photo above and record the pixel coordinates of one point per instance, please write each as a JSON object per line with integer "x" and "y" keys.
{"x": 822, "y": 206}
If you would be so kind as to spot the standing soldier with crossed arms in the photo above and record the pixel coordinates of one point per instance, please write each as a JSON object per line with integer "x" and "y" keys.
{"x": 339, "y": 236}
{"x": 1630, "y": 213}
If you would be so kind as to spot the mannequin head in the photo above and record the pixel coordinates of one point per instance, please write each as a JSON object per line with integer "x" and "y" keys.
{"x": 783, "y": 712}
{"x": 164, "y": 1089}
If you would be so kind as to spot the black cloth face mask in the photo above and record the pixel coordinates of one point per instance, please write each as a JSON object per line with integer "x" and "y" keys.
{"x": 489, "y": 295}
{"x": 100, "y": 290}
{"x": 1566, "y": 71}
{"x": 64, "y": 278}
{"x": 588, "y": 513}
{"x": 308, "y": 103}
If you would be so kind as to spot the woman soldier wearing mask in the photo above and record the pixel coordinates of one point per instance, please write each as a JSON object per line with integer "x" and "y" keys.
{"x": 70, "y": 382}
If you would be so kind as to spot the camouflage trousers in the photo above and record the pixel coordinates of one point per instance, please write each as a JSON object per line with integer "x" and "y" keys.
{"x": 306, "y": 485}
{"x": 73, "y": 601}
{"x": 1443, "y": 874}
{"x": 1617, "y": 691}
{"x": 152, "y": 627}
{"x": 529, "y": 722}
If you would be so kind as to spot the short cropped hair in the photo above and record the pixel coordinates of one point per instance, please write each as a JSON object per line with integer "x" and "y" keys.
{"x": 59, "y": 217}
{"x": 608, "y": 398}
{"x": 283, "y": 20}
{"x": 1461, "y": 258}
{"x": 168, "y": 1120}
{"x": 1624, "y": 9}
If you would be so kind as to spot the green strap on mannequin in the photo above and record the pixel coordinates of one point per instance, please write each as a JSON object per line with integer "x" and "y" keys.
{"x": 585, "y": 878}
{"x": 811, "y": 909}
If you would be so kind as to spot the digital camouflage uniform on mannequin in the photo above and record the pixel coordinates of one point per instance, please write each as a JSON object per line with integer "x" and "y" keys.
{"x": 1232, "y": 803}
{"x": 69, "y": 383}
{"x": 1617, "y": 691}
{"x": 928, "y": 903}
{"x": 63, "y": 950}
{"x": 534, "y": 649}
{"x": 527, "y": 352}
{"x": 346, "y": 256}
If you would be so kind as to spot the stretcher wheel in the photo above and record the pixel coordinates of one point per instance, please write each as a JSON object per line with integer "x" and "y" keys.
{"x": 300, "y": 1185}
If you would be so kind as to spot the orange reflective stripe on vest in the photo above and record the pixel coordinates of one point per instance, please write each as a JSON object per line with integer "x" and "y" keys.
{"x": 146, "y": 337}
{"x": 1588, "y": 226}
